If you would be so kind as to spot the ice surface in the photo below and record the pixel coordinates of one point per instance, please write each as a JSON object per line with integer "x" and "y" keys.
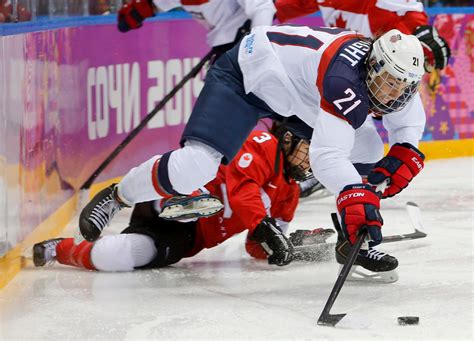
{"x": 222, "y": 293}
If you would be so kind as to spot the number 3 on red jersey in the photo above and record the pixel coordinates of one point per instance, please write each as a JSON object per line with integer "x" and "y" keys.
{"x": 262, "y": 138}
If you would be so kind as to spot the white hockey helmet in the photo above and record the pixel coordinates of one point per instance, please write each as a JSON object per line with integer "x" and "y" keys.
{"x": 394, "y": 71}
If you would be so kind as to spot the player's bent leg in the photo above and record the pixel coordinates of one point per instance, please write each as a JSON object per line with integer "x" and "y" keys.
{"x": 193, "y": 166}
{"x": 137, "y": 185}
{"x": 183, "y": 172}
{"x": 123, "y": 252}
{"x": 110, "y": 253}
{"x": 173, "y": 240}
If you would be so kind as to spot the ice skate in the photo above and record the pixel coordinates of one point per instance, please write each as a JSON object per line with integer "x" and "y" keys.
{"x": 370, "y": 265}
{"x": 197, "y": 205}
{"x": 99, "y": 212}
{"x": 45, "y": 252}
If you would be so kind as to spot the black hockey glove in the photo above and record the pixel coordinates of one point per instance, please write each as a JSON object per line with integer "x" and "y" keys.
{"x": 273, "y": 241}
{"x": 435, "y": 47}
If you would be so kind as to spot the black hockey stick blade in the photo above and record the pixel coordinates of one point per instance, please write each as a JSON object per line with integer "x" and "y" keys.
{"x": 330, "y": 320}
{"x": 326, "y": 319}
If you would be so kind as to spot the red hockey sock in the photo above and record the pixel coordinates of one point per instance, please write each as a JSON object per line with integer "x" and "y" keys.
{"x": 79, "y": 255}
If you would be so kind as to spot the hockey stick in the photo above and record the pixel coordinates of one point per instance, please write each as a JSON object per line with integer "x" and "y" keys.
{"x": 320, "y": 247}
{"x": 401, "y": 237}
{"x": 327, "y": 319}
{"x": 315, "y": 252}
{"x": 414, "y": 214}
{"x": 146, "y": 119}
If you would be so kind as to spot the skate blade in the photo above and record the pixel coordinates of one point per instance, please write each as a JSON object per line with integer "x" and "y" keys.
{"x": 359, "y": 274}
{"x": 175, "y": 212}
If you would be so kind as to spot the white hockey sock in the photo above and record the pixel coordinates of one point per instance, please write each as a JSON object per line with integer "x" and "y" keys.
{"x": 189, "y": 168}
{"x": 123, "y": 252}
{"x": 137, "y": 185}
{"x": 193, "y": 166}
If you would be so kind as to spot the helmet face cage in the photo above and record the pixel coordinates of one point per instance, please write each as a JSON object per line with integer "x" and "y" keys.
{"x": 381, "y": 85}
{"x": 297, "y": 159}
{"x": 394, "y": 71}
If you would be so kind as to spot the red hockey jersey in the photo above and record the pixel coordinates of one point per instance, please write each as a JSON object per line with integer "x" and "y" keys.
{"x": 250, "y": 190}
{"x": 369, "y": 17}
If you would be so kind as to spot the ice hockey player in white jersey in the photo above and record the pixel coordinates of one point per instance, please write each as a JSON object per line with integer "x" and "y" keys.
{"x": 372, "y": 18}
{"x": 332, "y": 79}
{"x": 226, "y": 21}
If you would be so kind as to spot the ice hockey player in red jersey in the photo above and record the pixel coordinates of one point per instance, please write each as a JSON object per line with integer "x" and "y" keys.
{"x": 226, "y": 21}
{"x": 256, "y": 198}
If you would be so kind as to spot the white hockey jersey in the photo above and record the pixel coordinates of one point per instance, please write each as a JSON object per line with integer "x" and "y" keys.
{"x": 223, "y": 18}
{"x": 318, "y": 74}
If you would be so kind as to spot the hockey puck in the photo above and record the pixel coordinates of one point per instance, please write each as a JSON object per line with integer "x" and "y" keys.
{"x": 408, "y": 320}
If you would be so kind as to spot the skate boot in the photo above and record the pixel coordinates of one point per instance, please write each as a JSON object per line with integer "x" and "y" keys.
{"x": 311, "y": 245}
{"x": 196, "y": 205}
{"x": 381, "y": 266}
{"x": 312, "y": 187}
{"x": 99, "y": 212}
{"x": 45, "y": 252}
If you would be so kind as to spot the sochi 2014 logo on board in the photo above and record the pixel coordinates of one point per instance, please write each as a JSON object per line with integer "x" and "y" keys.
{"x": 245, "y": 160}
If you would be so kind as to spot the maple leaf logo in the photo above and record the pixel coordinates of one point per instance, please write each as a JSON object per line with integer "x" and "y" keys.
{"x": 340, "y": 22}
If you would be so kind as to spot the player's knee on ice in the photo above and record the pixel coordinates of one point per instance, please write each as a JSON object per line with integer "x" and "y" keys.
{"x": 123, "y": 252}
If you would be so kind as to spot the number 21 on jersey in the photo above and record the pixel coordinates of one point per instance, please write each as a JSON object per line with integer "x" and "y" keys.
{"x": 350, "y": 96}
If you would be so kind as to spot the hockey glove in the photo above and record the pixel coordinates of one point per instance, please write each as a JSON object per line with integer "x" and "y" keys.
{"x": 358, "y": 206}
{"x": 273, "y": 241}
{"x": 402, "y": 163}
{"x": 435, "y": 47}
{"x": 132, "y": 14}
